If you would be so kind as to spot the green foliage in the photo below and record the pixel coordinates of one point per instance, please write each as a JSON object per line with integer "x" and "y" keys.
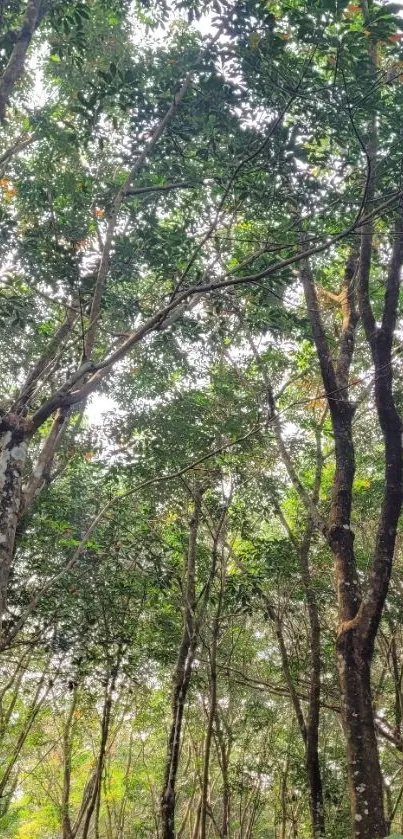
{"x": 262, "y": 158}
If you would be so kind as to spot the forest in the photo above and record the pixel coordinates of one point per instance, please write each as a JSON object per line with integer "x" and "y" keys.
{"x": 201, "y": 419}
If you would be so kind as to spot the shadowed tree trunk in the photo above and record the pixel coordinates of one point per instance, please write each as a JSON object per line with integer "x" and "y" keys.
{"x": 184, "y": 664}
{"x": 308, "y": 726}
{"x": 181, "y": 679}
{"x": 359, "y": 615}
{"x": 212, "y": 704}
{"x": 223, "y": 748}
{"x": 15, "y": 67}
{"x": 105, "y": 726}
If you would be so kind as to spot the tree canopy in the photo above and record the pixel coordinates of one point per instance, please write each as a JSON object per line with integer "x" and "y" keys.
{"x": 201, "y": 436}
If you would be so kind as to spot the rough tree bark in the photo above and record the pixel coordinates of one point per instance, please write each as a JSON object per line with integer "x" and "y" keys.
{"x": 13, "y": 452}
{"x": 359, "y": 616}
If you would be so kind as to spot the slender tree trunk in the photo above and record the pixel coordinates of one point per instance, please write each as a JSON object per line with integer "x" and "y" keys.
{"x": 195, "y": 831}
{"x": 181, "y": 680}
{"x": 212, "y": 707}
{"x": 397, "y": 680}
{"x": 67, "y": 832}
{"x": 105, "y": 725}
{"x": 312, "y": 763}
{"x": 226, "y": 802}
{"x": 223, "y": 752}
{"x": 85, "y": 801}
{"x": 312, "y": 725}
{"x": 33, "y": 711}
{"x": 45, "y": 460}
{"x": 183, "y": 826}
{"x": 309, "y": 729}
{"x": 39, "y": 370}
{"x": 283, "y": 795}
{"x": 13, "y": 685}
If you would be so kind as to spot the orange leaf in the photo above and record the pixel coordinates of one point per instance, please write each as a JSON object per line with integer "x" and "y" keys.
{"x": 99, "y": 213}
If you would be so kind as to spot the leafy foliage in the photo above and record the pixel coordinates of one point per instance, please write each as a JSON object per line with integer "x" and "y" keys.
{"x": 167, "y": 172}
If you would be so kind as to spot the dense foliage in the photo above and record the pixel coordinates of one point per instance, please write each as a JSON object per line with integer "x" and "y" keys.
{"x": 201, "y": 552}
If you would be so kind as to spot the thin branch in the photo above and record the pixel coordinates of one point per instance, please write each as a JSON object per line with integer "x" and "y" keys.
{"x": 6, "y": 641}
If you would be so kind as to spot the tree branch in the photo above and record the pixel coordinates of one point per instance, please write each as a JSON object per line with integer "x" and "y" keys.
{"x": 15, "y": 66}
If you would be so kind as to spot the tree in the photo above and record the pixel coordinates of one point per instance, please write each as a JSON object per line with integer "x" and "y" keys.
{"x": 201, "y": 229}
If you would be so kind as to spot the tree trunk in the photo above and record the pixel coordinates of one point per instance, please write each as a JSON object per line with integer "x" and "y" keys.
{"x": 223, "y": 750}
{"x": 67, "y": 832}
{"x": 45, "y": 460}
{"x": 181, "y": 681}
{"x": 33, "y": 711}
{"x": 397, "y": 680}
{"x": 16, "y": 63}
{"x": 312, "y": 763}
{"x": 13, "y": 452}
{"x": 105, "y": 726}
{"x": 365, "y": 779}
{"x": 308, "y": 728}
{"x": 358, "y": 617}
{"x": 212, "y": 707}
